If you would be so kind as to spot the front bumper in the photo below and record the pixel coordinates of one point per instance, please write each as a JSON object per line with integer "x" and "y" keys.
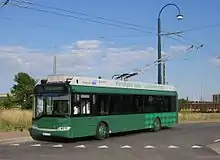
{"x": 37, "y": 133}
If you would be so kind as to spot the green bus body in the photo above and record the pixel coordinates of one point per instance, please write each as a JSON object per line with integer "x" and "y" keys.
{"x": 82, "y": 125}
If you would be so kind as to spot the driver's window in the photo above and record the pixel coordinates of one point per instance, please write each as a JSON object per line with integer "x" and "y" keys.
{"x": 75, "y": 104}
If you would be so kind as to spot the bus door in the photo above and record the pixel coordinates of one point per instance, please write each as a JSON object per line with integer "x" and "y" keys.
{"x": 85, "y": 120}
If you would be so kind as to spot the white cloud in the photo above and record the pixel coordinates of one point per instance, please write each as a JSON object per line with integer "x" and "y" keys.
{"x": 176, "y": 51}
{"x": 178, "y": 48}
{"x": 75, "y": 60}
{"x": 215, "y": 61}
{"x": 87, "y": 44}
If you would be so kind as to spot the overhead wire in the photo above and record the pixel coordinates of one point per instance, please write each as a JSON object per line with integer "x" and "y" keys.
{"x": 4, "y": 3}
{"x": 85, "y": 19}
{"x": 73, "y": 17}
{"x": 32, "y": 24}
{"x": 80, "y": 18}
{"x": 164, "y": 59}
{"x": 82, "y": 14}
{"x": 138, "y": 71}
{"x": 113, "y": 20}
{"x": 199, "y": 28}
{"x": 103, "y": 18}
{"x": 190, "y": 40}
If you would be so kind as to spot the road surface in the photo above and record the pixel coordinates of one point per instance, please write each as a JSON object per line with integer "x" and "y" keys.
{"x": 185, "y": 141}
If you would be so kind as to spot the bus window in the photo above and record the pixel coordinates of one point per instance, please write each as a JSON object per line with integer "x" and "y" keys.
{"x": 39, "y": 106}
{"x": 103, "y": 104}
{"x": 81, "y": 104}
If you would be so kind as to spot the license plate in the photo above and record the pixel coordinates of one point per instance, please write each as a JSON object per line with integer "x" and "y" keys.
{"x": 46, "y": 134}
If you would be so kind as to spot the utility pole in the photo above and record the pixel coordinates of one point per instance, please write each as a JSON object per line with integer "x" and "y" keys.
{"x": 54, "y": 65}
{"x": 164, "y": 72}
{"x": 179, "y": 17}
{"x": 159, "y": 51}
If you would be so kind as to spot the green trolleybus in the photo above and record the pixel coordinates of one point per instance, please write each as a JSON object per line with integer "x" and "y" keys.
{"x": 73, "y": 107}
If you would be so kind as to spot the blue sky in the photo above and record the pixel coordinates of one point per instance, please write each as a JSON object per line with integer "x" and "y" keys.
{"x": 29, "y": 39}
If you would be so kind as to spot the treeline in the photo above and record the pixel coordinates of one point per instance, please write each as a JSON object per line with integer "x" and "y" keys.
{"x": 20, "y": 93}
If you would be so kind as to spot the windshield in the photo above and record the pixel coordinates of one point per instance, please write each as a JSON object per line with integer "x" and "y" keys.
{"x": 52, "y": 104}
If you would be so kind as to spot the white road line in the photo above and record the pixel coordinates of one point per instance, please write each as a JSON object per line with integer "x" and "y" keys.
{"x": 58, "y": 146}
{"x": 80, "y": 146}
{"x": 149, "y": 147}
{"x": 104, "y": 146}
{"x": 15, "y": 144}
{"x": 217, "y": 140}
{"x": 126, "y": 146}
{"x": 35, "y": 145}
{"x": 173, "y": 147}
{"x": 195, "y": 146}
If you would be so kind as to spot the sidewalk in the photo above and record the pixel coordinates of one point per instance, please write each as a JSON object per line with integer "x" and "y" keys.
{"x": 13, "y": 134}
{"x": 14, "y": 137}
{"x": 215, "y": 147}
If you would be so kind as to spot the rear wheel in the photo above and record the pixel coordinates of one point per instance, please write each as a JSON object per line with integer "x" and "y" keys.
{"x": 102, "y": 131}
{"x": 156, "y": 125}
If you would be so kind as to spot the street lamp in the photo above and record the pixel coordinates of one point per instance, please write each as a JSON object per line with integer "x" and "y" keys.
{"x": 179, "y": 17}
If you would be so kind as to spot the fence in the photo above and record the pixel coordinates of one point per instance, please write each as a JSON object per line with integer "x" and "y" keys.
{"x": 200, "y": 107}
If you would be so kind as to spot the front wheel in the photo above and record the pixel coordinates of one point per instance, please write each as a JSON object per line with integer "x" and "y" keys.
{"x": 156, "y": 125}
{"x": 102, "y": 131}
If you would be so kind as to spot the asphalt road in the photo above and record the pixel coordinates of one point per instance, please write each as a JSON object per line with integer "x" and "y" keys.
{"x": 185, "y": 141}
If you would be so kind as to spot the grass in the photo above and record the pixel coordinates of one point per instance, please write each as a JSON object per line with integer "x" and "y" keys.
{"x": 15, "y": 119}
{"x": 185, "y": 116}
{"x": 20, "y": 120}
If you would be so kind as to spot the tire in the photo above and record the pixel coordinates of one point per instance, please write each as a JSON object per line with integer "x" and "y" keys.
{"x": 102, "y": 131}
{"x": 157, "y": 125}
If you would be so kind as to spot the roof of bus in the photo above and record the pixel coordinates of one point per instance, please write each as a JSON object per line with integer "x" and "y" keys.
{"x": 95, "y": 82}
{"x": 109, "y": 83}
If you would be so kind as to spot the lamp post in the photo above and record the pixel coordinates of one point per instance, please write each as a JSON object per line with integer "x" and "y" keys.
{"x": 179, "y": 17}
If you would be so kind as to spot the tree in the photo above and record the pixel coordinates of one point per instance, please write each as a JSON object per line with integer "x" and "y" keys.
{"x": 7, "y": 102}
{"x": 22, "y": 89}
{"x": 183, "y": 101}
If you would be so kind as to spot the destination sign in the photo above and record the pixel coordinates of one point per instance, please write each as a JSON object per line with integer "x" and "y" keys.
{"x": 54, "y": 88}
{"x": 51, "y": 89}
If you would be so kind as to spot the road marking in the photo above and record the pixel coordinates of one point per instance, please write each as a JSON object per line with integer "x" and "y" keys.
{"x": 217, "y": 140}
{"x": 57, "y": 146}
{"x": 36, "y": 145}
{"x": 15, "y": 144}
{"x": 195, "y": 146}
{"x": 104, "y": 146}
{"x": 80, "y": 146}
{"x": 126, "y": 146}
{"x": 173, "y": 147}
{"x": 149, "y": 147}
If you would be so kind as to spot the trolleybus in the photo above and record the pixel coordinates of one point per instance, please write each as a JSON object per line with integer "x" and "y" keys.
{"x": 73, "y": 107}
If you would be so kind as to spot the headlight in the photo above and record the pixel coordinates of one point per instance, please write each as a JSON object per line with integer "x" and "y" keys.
{"x": 34, "y": 126}
{"x": 63, "y": 128}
